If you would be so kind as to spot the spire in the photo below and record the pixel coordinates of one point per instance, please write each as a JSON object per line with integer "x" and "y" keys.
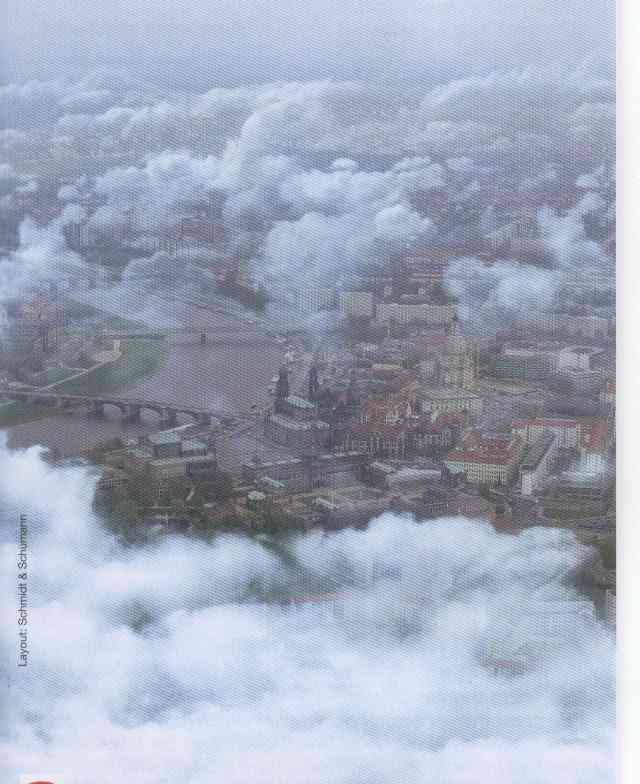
{"x": 314, "y": 384}
{"x": 282, "y": 388}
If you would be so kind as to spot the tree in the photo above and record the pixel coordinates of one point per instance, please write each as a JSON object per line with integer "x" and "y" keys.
{"x": 217, "y": 486}
{"x": 439, "y": 294}
{"x": 261, "y": 298}
{"x": 484, "y": 489}
{"x": 608, "y": 552}
{"x": 142, "y": 488}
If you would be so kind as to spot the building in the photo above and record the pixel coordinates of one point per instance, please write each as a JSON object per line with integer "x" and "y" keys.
{"x": 583, "y": 382}
{"x": 409, "y": 312}
{"x": 306, "y": 473}
{"x": 293, "y": 423}
{"x": 575, "y": 325}
{"x": 437, "y": 431}
{"x": 446, "y": 361}
{"x": 537, "y": 463}
{"x": 32, "y": 327}
{"x": 589, "y": 436}
{"x": 401, "y": 480}
{"x": 446, "y": 400}
{"x": 588, "y": 326}
{"x": 378, "y": 438}
{"x": 356, "y": 304}
{"x": 579, "y": 494}
{"x": 523, "y": 365}
{"x": 168, "y": 455}
{"x": 315, "y": 299}
{"x": 578, "y": 357}
{"x": 492, "y": 460}
{"x": 594, "y": 444}
{"x": 567, "y": 431}
{"x": 608, "y": 395}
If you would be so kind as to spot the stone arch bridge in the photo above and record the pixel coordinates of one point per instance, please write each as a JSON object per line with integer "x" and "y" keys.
{"x": 130, "y": 408}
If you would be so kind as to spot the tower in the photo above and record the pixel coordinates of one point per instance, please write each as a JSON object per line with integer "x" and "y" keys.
{"x": 314, "y": 384}
{"x": 453, "y": 328}
{"x": 282, "y": 388}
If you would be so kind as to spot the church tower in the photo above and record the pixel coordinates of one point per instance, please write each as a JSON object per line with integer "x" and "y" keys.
{"x": 314, "y": 384}
{"x": 282, "y": 388}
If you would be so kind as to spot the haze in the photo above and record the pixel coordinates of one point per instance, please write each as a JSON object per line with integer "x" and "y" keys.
{"x": 225, "y": 42}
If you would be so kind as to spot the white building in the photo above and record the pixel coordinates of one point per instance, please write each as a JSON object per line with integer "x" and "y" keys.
{"x": 583, "y": 381}
{"x": 356, "y": 303}
{"x": 447, "y": 400}
{"x": 492, "y": 460}
{"x": 538, "y": 463}
{"x": 587, "y": 326}
{"x": 408, "y": 312}
{"x": 314, "y": 299}
{"x": 579, "y": 357}
{"x": 567, "y": 431}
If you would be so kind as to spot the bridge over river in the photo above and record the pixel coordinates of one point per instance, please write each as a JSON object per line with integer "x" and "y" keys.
{"x": 130, "y": 408}
{"x": 204, "y": 336}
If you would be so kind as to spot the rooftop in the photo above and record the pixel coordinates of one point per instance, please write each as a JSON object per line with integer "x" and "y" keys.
{"x": 300, "y": 402}
{"x": 294, "y": 424}
{"x": 492, "y": 450}
{"x": 167, "y": 461}
{"x": 448, "y": 393}
{"x": 164, "y": 437}
{"x": 537, "y": 451}
{"x": 193, "y": 445}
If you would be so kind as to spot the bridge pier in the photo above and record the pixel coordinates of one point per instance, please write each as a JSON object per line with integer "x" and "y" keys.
{"x": 133, "y": 412}
{"x": 170, "y": 417}
{"x": 130, "y": 409}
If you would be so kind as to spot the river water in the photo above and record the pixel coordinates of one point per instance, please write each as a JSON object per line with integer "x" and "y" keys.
{"x": 229, "y": 374}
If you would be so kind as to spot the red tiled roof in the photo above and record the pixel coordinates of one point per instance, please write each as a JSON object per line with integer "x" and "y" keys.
{"x": 379, "y": 428}
{"x": 595, "y": 435}
{"x": 424, "y": 342}
{"x": 492, "y": 450}
{"x": 543, "y": 422}
{"x": 452, "y": 418}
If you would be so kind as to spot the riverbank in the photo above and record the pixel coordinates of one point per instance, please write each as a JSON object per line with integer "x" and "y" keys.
{"x": 137, "y": 359}
{"x": 14, "y": 413}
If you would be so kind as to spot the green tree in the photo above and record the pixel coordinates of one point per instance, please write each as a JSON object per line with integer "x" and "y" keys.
{"x": 218, "y": 486}
{"x": 608, "y": 552}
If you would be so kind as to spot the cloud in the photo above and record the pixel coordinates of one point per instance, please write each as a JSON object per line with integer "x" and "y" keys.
{"x": 509, "y": 291}
{"x": 494, "y": 296}
{"x": 168, "y": 183}
{"x": 175, "y": 661}
{"x": 41, "y": 257}
{"x": 323, "y": 177}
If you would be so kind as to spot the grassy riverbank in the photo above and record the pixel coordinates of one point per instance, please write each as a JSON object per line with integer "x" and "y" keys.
{"x": 138, "y": 358}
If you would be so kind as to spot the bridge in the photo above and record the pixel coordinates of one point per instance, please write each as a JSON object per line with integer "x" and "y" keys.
{"x": 203, "y": 336}
{"x": 130, "y": 408}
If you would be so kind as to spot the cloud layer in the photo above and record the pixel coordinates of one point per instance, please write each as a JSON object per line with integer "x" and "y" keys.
{"x": 430, "y": 652}
{"x": 305, "y": 180}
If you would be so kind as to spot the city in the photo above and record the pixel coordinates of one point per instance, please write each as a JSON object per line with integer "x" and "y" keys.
{"x": 323, "y": 405}
{"x": 308, "y": 447}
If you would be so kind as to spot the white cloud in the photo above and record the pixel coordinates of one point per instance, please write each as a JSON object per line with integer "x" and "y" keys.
{"x": 406, "y": 676}
{"x": 325, "y": 176}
